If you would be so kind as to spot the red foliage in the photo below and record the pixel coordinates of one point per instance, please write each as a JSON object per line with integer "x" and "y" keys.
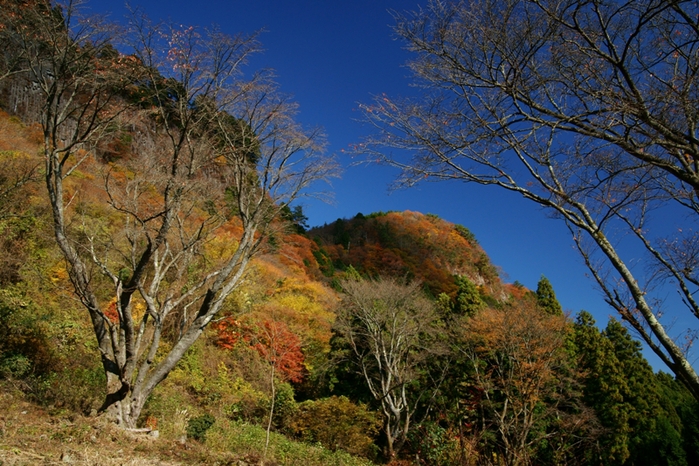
{"x": 272, "y": 340}
{"x": 228, "y": 333}
{"x": 111, "y": 312}
{"x": 281, "y": 348}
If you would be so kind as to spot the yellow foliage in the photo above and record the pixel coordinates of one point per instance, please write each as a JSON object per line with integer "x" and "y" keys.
{"x": 221, "y": 246}
{"x": 58, "y": 273}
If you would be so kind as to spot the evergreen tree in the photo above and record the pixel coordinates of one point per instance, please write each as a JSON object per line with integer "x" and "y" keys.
{"x": 468, "y": 298}
{"x": 604, "y": 388}
{"x": 621, "y": 387}
{"x": 683, "y": 412}
{"x": 653, "y": 440}
{"x": 546, "y": 298}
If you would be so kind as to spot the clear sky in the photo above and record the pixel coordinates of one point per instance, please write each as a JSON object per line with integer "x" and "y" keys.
{"x": 331, "y": 55}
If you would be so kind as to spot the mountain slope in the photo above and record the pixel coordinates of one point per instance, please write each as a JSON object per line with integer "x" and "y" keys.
{"x": 406, "y": 244}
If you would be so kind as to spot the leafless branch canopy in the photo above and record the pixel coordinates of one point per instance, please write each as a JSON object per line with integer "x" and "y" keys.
{"x": 191, "y": 161}
{"x": 586, "y": 108}
{"x": 390, "y": 327}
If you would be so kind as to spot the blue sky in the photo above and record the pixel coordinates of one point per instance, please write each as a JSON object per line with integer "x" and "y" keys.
{"x": 333, "y": 54}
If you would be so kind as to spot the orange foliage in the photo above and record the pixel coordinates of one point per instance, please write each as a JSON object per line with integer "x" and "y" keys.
{"x": 111, "y": 312}
{"x": 530, "y": 339}
{"x": 286, "y": 288}
{"x": 517, "y": 292}
{"x": 519, "y": 355}
{"x": 151, "y": 422}
{"x": 422, "y": 247}
{"x": 271, "y": 339}
{"x": 17, "y": 136}
{"x": 298, "y": 255}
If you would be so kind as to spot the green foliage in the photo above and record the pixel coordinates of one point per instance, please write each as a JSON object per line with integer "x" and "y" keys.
{"x": 342, "y": 377}
{"x": 683, "y": 413}
{"x": 468, "y": 298}
{"x": 248, "y": 441}
{"x": 485, "y": 268}
{"x": 444, "y": 304}
{"x": 250, "y": 406}
{"x": 44, "y": 348}
{"x": 467, "y": 301}
{"x": 352, "y": 274}
{"x": 285, "y": 406}
{"x": 604, "y": 386}
{"x": 436, "y": 445}
{"x": 341, "y": 234}
{"x": 653, "y": 438}
{"x": 197, "y": 426}
{"x": 378, "y": 214}
{"x": 295, "y": 217}
{"x": 77, "y": 387}
{"x": 325, "y": 263}
{"x": 466, "y": 234}
{"x": 546, "y": 298}
{"x": 385, "y": 235}
{"x": 628, "y": 397}
{"x": 337, "y": 423}
{"x": 24, "y": 335}
{"x": 14, "y": 366}
{"x": 659, "y": 446}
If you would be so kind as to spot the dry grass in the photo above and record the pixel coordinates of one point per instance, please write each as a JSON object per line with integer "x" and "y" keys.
{"x": 30, "y": 435}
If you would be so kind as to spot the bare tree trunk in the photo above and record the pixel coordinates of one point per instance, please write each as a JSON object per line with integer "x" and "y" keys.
{"x": 271, "y": 412}
{"x": 207, "y": 150}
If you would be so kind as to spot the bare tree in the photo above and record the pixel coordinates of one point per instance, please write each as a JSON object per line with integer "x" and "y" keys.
{"x": 210, "y": 162}
{"x": 390, "y": 328}
{"x": 589, "y": 109}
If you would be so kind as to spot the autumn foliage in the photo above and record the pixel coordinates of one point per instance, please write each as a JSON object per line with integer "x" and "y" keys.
{"x": 408, "y": 244}
{"x": 271, "y": 339}
{"x": 392, "y": 325}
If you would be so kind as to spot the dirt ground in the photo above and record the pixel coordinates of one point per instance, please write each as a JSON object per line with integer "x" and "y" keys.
{"x": 31, "y": 435}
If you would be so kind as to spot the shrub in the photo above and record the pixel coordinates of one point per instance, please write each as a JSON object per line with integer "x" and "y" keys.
{"x": 435, "y": 445}
{"x": 337, "y": 423}
{"x": 197, "y": 426}
{"x": 14, "y": 366}
{"x": 79, "y": 388}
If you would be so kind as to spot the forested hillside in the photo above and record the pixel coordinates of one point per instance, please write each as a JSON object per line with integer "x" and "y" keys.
{"x": 411, "y": 245}
{"x": 162, "y": 294}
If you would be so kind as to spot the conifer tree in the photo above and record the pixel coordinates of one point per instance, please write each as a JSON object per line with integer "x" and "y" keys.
{"x": 604, "y": 388}
{"x": 468, "y": 298}
{"x": 626, "y": 395}
{"x": 653, "y": 440}
{"x": 546, "y": 298}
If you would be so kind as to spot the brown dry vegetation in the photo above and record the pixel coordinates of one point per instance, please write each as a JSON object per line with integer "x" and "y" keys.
{"x": 30, "y": 434}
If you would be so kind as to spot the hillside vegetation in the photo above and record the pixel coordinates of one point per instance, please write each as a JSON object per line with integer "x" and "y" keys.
{"x": 385, "y": 338}
{"x": 219, "y": 395}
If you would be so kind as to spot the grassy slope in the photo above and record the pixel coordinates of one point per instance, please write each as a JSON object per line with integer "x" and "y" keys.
{"x": 31, "y": 434}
